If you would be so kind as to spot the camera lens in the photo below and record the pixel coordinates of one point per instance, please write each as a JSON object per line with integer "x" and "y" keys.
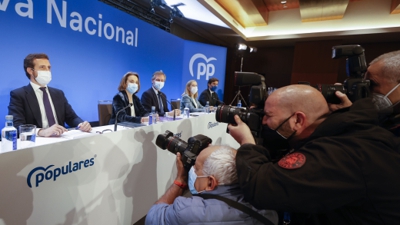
{"x": 225, "y": 114}
{"x": 171, "y": 143}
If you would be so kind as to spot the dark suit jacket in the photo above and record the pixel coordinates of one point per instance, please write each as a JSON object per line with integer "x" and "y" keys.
{"x": 212, "y": 99}
{"x": 120, "y": 101}
{"x": 24, "y": 107}
{"x": 149, "y": 99}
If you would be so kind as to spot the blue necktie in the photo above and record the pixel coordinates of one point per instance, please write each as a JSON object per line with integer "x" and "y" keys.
{"x": 160, "y": 104}
{"x": 47, "y": 107}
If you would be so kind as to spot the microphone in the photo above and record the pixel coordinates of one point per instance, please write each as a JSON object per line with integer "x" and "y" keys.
{"x": 218, "y": 101}
{"x": 116, "y": 117}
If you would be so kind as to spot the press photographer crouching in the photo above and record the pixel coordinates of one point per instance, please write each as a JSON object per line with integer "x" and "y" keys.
{"x": 342, "y": 166}
{"x": 213, "y": 180}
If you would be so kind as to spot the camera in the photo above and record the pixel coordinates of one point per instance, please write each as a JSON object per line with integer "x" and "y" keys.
{"x": 258, "y": 90}
{"x": 252, "y": 118}
{"x": 226, "y": 113}
{"x": 355, "y": 87}
{"x": 257, "y": 96}
{"x": 189, "y": 150}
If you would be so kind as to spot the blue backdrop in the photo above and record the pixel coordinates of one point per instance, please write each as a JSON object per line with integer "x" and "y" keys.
{"x": 91, "y": 45}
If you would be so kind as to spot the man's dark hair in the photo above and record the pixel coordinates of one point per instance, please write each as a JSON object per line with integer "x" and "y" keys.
{"x": 28, "y": 61}
{"x": 212, "y": 80}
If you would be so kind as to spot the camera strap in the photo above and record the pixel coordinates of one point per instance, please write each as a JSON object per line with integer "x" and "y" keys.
{"x": 238, "y": 206}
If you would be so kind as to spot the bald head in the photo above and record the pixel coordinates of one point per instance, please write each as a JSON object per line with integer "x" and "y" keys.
{"x": 292, "y": 98}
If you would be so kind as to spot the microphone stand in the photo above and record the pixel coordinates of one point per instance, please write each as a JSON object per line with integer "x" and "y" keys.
{"x": 116, "y": 117}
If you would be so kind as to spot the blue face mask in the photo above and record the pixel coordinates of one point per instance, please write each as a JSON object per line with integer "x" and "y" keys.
{"x": 158, "y": 85}
{"x": 192, "y": 179}
{"x": 213, "y": 88}
{"x": 132, "y": 88}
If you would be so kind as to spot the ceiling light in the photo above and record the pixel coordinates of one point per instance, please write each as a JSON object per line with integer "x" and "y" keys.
{"x": 253, "y": 49}
{"x": 283, "y": 2}
{"x": 159, "y": 3}
{"x": 175, "y": 12}
{"x": 241, "y": 46}
{"x": 196, "y": 11}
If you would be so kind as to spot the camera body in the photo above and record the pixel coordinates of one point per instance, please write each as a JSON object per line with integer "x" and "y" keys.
{"x": 258, "y": 90}
{"x": 188, "y": 150}
{"x": 252, "y": 118}
{"x": 355, "y": 87}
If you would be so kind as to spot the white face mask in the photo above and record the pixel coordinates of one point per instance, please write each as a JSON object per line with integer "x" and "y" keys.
{"x": 382, "y": 101}
{"x": 132, "y": 88}
{"x": 43, "y": 77}
{"x": 193, "y": 90}
{"x": 158, "y": 85}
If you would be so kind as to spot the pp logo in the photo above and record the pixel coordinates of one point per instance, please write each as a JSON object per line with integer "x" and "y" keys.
{"x": 203, "y": 68}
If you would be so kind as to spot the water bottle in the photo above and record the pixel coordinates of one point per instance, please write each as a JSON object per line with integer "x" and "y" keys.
{"x": 239, "y": 105}
{"x": 152, "y": 116}
{"x": 9, "y": 135}
{"x": 186, "y": 112}
{"x": 207, "y": 107}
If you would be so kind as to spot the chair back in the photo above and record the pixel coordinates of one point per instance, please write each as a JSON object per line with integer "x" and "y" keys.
{"x": 176, "y": 103}
{"x": 105, "y": 110}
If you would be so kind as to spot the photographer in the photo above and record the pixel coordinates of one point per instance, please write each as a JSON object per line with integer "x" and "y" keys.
{"x": 383, "y": 73}
{"x": 214, "y": 173}
{"x": 342, "y": 166}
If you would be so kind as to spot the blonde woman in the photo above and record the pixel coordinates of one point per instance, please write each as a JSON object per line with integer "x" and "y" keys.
{"x": 189, "y": 98}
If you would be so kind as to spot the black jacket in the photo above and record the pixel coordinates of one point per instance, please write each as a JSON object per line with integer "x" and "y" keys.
{"x": 350, "y": 175}
{"x": 149, "y": 99}
{"x": 211, "y": 98}
{"x": 24, "y": 107}
{"x": 120, "y": 101}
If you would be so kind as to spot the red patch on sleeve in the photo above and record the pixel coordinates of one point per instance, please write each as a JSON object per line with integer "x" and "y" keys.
{"x": 292, "y": 161}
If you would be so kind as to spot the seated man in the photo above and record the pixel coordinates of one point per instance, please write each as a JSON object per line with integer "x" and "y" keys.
{"x": 43, "y": 106}
{"x": 340, "y": 165}
{"x": 213, "y": 173}
{"x": 154, "y": 97}
{"x": 209, "y": 94}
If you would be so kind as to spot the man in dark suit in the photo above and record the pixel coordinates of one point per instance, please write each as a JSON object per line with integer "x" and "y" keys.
{"x": 209, "y": 94}
{"x": 43, "y": 106}
{"x": 154, "y": 97}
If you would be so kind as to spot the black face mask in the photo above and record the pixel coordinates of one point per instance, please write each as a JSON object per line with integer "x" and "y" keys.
{"x": 273, "y": 140}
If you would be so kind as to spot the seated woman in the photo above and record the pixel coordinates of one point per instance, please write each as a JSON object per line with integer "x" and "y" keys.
{"x": 189, "y": 98}
{"x": 128, "y": 88}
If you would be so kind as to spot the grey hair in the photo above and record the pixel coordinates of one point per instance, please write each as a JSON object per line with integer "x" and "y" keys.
{"x": 158, "y": 73}
{"x": 222, "y": 165}
{"x": 390, "y": 66}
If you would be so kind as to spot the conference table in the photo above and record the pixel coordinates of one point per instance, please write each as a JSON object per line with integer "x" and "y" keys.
{"x": 98, "y": 177}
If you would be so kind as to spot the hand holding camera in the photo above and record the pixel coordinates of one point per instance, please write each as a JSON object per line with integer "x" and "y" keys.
{"x": 241, "y": 132}
{"x": 182, "y": 175}
{"x": 344, "y": 102}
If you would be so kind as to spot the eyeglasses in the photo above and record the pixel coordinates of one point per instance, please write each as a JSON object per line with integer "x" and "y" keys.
{"x": 104, "y": 131}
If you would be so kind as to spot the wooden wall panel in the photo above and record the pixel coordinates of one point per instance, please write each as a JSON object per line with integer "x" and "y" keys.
{"x": 313, "y": 63}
